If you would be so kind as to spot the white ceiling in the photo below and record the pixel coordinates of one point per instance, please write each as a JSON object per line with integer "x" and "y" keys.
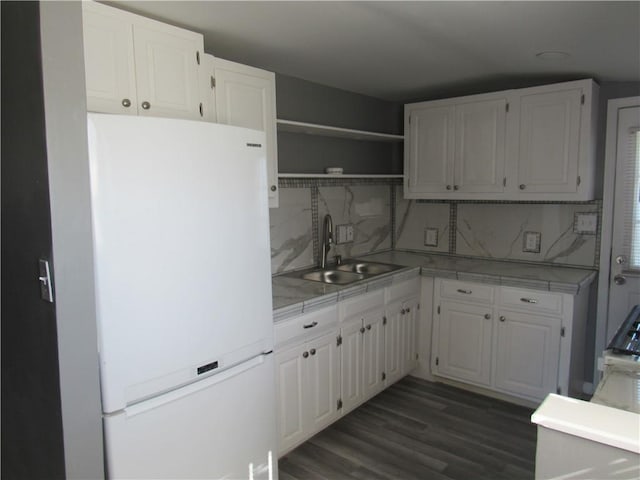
{"x": 405, "y": 51}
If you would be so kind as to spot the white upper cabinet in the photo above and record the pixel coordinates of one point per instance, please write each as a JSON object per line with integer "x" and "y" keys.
{"x": 455, "y": 150}
{"x": 429, "y": 151}
{"x": 246, "y": 97}
{"x": 137, "y": 66}
{"x": 555, "y": 149}
{"x": 528, "y": 144}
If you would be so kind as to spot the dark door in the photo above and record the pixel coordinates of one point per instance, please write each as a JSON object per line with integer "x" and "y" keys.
{"x": 32, "y": 442}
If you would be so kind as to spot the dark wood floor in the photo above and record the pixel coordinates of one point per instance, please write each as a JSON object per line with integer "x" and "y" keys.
{"x": 420, "y": 430}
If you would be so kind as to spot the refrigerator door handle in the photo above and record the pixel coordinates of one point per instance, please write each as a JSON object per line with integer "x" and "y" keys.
{"x": 190, "y": 389}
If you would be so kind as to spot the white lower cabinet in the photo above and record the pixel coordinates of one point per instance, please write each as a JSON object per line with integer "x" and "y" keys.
{"x": 362, "y": 347}
{"x": 333, "y": 359}
{"x": 307, "y": 379}
{"x": 464, "y": 342}
{"x": 527, "y": 353}
{"x": 521, "y": 342}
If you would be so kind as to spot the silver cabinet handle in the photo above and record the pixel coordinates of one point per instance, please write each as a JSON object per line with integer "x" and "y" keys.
{"x": 529, "y": 300}
{"x": 146, "y": 105}
{"x": 305, "y": 354}
{"x": 361, "y": 329}
{"x": 369, "y": 327}
{"x": 403, "y": 311}
{"x": 408, "y": 310}
{"x": 487, "y": 316}
{"x": 448, "y": 187}
{"x": 126, "y": 102}
{"x": 522, "y": 186}
{"x": 456, "y": 187}
{"x": 502, "y": 318}
{"x": 201, "y": 110}
{"x": 310, "y": 325}
{"x": 273, "y": 188}
{"x": 466, "y": 292}
{"x": 312, "y": 351}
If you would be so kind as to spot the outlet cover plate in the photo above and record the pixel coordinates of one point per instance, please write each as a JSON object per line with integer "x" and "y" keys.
{"x": 531, "y": 242}
{"x": 585, "y": 223}
{"x": 430, "y": 237}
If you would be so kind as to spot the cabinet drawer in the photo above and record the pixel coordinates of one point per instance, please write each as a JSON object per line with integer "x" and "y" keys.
{"x": 361, "y": 304}
{"x": 306, "y": 326}
{"x": 531, "y": 300}
{"x": 474, "y": 292}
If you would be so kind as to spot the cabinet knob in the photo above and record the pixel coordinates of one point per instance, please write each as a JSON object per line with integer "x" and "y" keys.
{"x": 522, "y": 186}
{"x": 448, "y": 187}
{"x": 312, "y": 351}
{"x": 487, "y": 316}
{"x": 369, "y": 327}
{"x": 456, "y": 187}
{"x": 408, "y": 310}
{"x": 273, "y": 188}
{"x": 305, "y": 354}
{"x": 403, "y": 311}
{"x": 502, "y": 318}
{"x": 361, "y": 329}
{"x": 146, "y": 105}
{"x": 126, "y": 102}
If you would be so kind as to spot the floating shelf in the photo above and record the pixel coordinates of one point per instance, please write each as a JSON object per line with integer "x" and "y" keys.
{"x": 347, "y": 175}
{"x": 327, "y": 131}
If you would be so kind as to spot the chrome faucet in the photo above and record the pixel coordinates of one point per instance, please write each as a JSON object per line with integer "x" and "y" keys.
{"x": 327, "y": 240}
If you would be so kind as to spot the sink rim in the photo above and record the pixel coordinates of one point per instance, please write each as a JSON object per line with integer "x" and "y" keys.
{"x": 343, "y": 270}
{"x": 323, "y": 274}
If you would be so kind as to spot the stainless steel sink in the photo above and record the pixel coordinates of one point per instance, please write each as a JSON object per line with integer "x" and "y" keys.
{"x": 332, "y": 276}
{"x": 368, "y": 268}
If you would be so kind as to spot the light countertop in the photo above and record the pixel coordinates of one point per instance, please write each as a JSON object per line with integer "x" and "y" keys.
{"x": 293, "y": 296}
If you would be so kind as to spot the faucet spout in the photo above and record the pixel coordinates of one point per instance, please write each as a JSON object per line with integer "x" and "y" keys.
{"x": 327, "y": 240}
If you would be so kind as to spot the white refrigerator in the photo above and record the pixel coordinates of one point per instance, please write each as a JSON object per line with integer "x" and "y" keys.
{"x": 183, "y": 293}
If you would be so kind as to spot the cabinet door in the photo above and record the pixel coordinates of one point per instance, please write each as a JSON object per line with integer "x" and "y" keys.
{"x": 323, "y": 382}
{"x": 290, "y": 387}
{"x": 167, "y": 70}
{"x": 527, "y": 354}
{"x": 351, "y": 364}
{"x": 109, "y": 60}
{"x": 373, "y": 351}
{"x": 430, "y": 151}
{"x": 549, "y": 142}
{"x": 409, "y": 336}
{"x": 480, "y": 146}
{"x": 464, "y": 342}
{"x": 393, "y": 339}
{"x": 245, "y": 97}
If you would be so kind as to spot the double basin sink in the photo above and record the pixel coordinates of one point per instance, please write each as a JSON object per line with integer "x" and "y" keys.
{"x": 346, "y": 273}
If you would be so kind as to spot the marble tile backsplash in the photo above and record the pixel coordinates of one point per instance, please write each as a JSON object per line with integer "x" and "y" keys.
{"x": 497, "y": 231}
{"x": 296, "y": 226}
{"x": 493, "y": 230}
{"x": 412, "y": 221}
{"x": 291, "y": 231}
{"x": 367, "y": 207}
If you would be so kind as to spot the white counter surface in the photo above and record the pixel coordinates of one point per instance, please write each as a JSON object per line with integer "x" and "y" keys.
{"x": 293, "y": 295}
{"x": 598, "y": 423}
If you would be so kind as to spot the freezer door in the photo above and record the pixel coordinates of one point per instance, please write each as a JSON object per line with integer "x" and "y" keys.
{"x": 221, "y": 427}
{"x": 182, "y": 256}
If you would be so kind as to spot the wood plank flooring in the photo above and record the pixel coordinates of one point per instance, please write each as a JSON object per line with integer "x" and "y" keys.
{"x": 420, "y": 430}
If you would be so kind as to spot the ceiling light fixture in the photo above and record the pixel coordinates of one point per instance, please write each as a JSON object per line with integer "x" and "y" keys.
{"x": 553, "y": 55}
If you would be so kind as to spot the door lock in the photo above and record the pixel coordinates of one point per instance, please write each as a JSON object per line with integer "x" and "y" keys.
{"x": 621, "y": 259}
{"x": 619, "y": 279}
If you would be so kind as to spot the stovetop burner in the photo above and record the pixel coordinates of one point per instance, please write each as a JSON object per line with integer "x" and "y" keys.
{"x": 627, "y": 339}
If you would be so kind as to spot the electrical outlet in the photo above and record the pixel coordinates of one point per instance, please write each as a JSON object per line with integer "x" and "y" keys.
{"x": 430, "y": 237}
{"x": 585, "y": 223}
{"x": 531, "y": 242}
{"x": 344, "y": 233}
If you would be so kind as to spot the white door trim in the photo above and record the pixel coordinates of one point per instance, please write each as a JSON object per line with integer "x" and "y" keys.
{"x": 607, "y": 225}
